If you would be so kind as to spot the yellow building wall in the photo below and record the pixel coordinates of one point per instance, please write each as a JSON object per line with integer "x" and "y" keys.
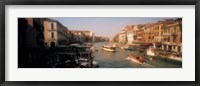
{"x": 48, "y": 33}
{"x": 176, "y": 31}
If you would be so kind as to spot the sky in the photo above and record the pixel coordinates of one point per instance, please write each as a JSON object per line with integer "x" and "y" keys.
{"x": 104, "y": 26}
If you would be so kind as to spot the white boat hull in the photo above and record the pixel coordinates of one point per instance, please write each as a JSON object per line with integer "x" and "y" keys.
{"x": 150, "y": 52}
{"x": 106, "y": 49}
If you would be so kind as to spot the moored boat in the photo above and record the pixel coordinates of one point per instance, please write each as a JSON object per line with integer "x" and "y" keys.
{"x": 75, "y": 56}
{"x": 151, "y": 52}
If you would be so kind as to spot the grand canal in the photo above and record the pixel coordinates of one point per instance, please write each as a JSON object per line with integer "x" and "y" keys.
{"x": 118, "y": 60}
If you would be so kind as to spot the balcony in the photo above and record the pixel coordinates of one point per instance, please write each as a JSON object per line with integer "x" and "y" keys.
{"x": 166, "y": 43}
{"x": 166, "y": 34}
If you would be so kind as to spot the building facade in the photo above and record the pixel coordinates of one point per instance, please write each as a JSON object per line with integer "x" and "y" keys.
{"x": 90, "y": 36}
{"x": 30, "y": 42}
{"x": 50, "y": 32}
{"x": 122, "y": 37}
{"x": 172, "y": 38}
{"x": 167, "y": 33}
{"x": 140, "y": 33}
{"x": 130, "y": 35}
{"x": 55, "y": 33}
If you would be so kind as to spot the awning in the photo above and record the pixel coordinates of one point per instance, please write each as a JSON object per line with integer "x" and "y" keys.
{"x": 147, "y": 44}
{"x": 158, "y": 44}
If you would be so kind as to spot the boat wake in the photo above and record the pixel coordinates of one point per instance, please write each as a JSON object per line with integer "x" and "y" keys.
{"x": 143, "y": 64}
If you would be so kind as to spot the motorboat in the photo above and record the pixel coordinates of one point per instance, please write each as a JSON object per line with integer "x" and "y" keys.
{"x": 108, "y": 48}
{"x": 136, "y": 59}
{"x": 130, "y": 48}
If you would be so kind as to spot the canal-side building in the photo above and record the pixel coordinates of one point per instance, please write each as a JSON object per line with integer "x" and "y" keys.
{"x": 129, "y": 33}
{"x": 54, "y": 34}
{"x": 140, "y": 34}
{"x": 133, "y": 34}
{"x": 166, "y": 34}
{"x": 79, "y": 36}
{"x": 90, "y": 36}
{"x": 69, "y": 37}
{"x": 148, "y": 33}
{"x": 172, "y": 37}
{"x": 83, "y": 36}
{"x": 50, "y": 32}
{"x": 116, "y": 38}
{"x": 157, "y": 32}
{"x": 152, "y": 33}
{"x": 130, "y": 37}
{"x": 101, "y": 39}
{"x": 122, "y": 37}
{"x": 30, "y": 42}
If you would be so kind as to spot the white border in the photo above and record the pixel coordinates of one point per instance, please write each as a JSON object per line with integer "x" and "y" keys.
{"x": 187, "y": 73}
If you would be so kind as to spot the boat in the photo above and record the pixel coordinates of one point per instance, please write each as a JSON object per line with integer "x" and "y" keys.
{"x": 93, "y": 48}
{"x": 125, "y": 47}
{"x": 141, "y": 49}
{"x": 151, "y": 58}
{"x": 130, "y": 49}
{"x": 115, "y": 45}
{"x": 88, "y": 44}
{"x": 108, "y": 48}
{"x": 136, "y": 59}
{"x": 176, "y": 56}
{"x": 86, "y": 64}
{"x": 151, "y": 52}
{"x": 74, "y": 56}
{"x": 122, "y": 47}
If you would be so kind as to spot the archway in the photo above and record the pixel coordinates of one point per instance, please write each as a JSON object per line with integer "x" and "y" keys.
{"x": 52, "y": 45}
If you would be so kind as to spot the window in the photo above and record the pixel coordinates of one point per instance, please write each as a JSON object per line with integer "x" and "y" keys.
{"x": 168, "y": 39}
{"x": 174, "y": 39}
{"x": 52, "y": 26}
{"x": 52, "y": 35}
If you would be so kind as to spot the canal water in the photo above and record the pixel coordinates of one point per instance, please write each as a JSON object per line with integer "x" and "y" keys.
{"x": 118, "y": 59}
